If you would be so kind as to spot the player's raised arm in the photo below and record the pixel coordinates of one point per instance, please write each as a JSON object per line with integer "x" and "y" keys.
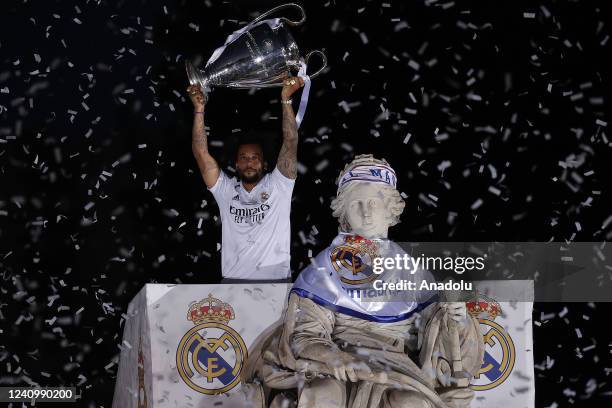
{"x": 199, "y": 141}
{"x": 287, "y": 158}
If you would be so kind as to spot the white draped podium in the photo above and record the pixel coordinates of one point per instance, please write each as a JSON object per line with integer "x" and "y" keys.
{"x": 185, "y": 345}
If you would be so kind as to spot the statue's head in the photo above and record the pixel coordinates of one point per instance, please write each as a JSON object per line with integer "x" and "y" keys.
{"x": 367, "y": 202}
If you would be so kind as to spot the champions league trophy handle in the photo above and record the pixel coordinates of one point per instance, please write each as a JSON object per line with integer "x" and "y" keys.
{"x": 285, "y": 20}
{"x": 323, "y": 61}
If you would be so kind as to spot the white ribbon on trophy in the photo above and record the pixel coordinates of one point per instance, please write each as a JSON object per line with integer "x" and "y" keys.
{"x": 305, "y": 93}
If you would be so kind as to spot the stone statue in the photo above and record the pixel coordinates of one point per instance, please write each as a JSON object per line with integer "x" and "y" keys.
{"x": 342, "y": 345}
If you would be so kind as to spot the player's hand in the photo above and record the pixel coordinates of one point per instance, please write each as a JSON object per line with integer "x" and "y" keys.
{"x": 456, "y": 310}
{"x": 197, "y": 97}
{"x": 290, "y": 85}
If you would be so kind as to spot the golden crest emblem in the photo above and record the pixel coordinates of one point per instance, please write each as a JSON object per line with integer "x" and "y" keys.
{"x": 353, "y": 259}
{"x": 210, "y": 356}
{"x": 500, "y": 353}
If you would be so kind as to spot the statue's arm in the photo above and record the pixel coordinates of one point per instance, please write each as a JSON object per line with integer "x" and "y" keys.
{"x": 446, "y": 336}
{"x": 312, "y": 340}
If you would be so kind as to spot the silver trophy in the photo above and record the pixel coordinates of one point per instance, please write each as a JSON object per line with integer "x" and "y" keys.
{"x": 260, "y": 55}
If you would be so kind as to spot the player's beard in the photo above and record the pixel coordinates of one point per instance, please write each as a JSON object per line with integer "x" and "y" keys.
{"x": 257, "y": 175}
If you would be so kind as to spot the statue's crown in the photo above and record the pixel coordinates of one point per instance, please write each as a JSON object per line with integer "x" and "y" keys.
{"x": 210, "y": 309}
{"x": 483, "y": 307}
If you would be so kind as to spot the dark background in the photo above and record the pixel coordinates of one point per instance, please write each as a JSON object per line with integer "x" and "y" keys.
{"x": 506, "y": 104}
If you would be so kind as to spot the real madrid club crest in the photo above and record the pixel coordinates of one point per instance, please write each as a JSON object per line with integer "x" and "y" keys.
{"x": 500, "y": 354}
{"x": 211, "y": 354}
{"x": 264, "y": 196}
{"x": 353, "y": 260}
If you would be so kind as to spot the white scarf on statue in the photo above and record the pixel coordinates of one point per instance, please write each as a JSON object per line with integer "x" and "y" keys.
{"x": 342, "y": 278}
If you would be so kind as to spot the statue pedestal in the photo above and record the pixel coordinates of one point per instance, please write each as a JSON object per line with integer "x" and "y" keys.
{"x": 185, "y": 346}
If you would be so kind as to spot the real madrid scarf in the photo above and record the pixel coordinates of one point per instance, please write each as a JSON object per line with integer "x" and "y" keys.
{"x": 341, "y": 278}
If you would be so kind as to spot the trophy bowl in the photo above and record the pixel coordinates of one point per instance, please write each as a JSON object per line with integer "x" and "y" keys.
{"x": 260, "y": 55}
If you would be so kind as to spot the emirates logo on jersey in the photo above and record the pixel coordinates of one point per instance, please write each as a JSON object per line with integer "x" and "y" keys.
{"x": 249, "y": 215}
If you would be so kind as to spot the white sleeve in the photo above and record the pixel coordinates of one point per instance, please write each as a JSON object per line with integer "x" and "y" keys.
{"x": 285, "y": 184}
{"x": 223, "y": 188}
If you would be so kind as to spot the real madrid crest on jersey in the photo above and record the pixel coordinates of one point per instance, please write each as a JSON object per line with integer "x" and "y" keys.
{"x": 264, "y": 196}
{"x": 210, "y": 355}
{"x": 500, "y": 354}
{"x": 353, "y": 259}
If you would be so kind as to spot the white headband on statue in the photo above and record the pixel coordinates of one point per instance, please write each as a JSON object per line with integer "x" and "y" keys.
{"x": 369, "y": 173}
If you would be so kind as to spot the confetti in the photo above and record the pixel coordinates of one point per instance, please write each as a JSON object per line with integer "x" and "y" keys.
{"x": 495, "y": 119}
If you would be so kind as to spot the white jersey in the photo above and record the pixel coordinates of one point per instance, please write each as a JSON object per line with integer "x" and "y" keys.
{"x": 255, "y": 227}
